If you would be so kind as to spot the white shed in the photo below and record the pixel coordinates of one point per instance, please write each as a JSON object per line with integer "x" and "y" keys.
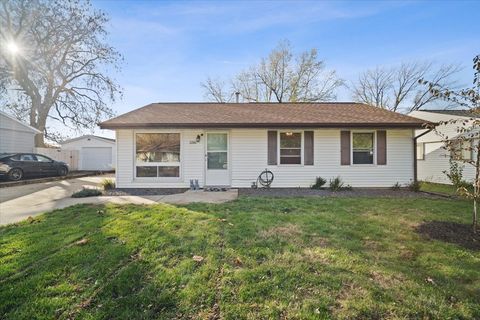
{"x": 16, "y": 136}
{"x": 95, "y": 153}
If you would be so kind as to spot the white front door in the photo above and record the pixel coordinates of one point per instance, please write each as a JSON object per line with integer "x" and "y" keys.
{"x": 217, "y": 164}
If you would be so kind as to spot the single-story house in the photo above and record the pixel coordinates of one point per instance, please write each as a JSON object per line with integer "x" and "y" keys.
{"x": 16, "y": 136}
{"x": 94, "y": 152}
{"x": 432, "y": 159}
{"x": 165, "y": 145}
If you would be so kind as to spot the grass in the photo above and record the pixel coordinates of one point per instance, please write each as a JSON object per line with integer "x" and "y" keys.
{"x": 293, "y": 258}
{"x": 108, "y": 184}
{"x": 446, "y": 189}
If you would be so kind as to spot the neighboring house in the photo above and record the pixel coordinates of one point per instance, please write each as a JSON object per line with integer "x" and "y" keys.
{"x": 16, "y": 136}
{"x": 94, "y": 153}
{"x": 229, "y": 144}
{"x": 432, "y": 158}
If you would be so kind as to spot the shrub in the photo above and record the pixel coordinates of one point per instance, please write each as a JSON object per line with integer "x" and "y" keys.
{"x": 336, "y": 184}
{"x": 396, "y": 186}
{"x": 108, "y": 184}
{"x": 463, "y": 187}
{"x": 455, "y": 174}
{"x": 86, "y": 193}
{"x": 319, "y": 183}
{"x": 414, "y": 186}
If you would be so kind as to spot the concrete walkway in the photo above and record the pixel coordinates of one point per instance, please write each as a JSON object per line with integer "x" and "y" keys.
{"x": 18, "y": 203}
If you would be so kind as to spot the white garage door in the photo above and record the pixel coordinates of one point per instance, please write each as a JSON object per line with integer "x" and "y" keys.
{"x": 96, "y": 158}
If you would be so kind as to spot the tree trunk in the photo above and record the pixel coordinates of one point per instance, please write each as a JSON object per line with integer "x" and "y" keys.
{"x": 475, "y": 216}
{"x": 476, "y": 190}
{"x": 40, "y": 124}
{"x": 39, "y": 139}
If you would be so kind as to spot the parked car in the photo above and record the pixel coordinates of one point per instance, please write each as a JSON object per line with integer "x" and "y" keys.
{"x": 16, "y": 166}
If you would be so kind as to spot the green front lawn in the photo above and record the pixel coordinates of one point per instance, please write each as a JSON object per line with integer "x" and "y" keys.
{"x": 446, "y": 189}
{"x": 263, "y": 258}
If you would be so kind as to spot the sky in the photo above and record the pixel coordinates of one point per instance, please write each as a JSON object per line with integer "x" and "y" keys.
{"x": 170, "y": 47}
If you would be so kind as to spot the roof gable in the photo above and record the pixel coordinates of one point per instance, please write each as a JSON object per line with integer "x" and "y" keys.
{"x": 88, "y": 136}
{"x": 260, "y": 115}
{"x": 25, "y": 126}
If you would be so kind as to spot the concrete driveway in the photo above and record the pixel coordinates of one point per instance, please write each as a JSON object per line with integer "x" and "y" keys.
{"x": 20, "y": 202}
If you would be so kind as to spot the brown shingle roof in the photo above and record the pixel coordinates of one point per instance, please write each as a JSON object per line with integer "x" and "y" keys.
{"x": 260, "y": 115}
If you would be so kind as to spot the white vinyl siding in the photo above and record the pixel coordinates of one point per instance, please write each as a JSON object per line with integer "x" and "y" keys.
{"x": 16, "y": 141}
{"x": 436, "y": 160}
{"x": 15, "y": 136}
{"x": 248, "y": 158}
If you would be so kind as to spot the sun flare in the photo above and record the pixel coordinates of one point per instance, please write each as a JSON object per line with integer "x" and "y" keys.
{"x": 12, "y": 47}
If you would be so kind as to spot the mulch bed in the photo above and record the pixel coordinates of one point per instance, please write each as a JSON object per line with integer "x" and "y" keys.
{"x": 451, "y": 232}
{"x": 356, "y": 192}
{"x": 143, "y": 191}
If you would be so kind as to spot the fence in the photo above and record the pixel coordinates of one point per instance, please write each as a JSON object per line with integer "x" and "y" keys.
{"x": 68, "y": 156}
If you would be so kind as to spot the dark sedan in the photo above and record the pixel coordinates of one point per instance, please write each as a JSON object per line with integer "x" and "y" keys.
{"x": 16, "y": 166}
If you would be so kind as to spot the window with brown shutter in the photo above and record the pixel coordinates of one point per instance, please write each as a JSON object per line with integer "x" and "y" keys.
{"x": 381, "y": 147}
{"x": 272, "y": 148}
{"x": 345, "y": 148}
{"x": 308, "y": 148}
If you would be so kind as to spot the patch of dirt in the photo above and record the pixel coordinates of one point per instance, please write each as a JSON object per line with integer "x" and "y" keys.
{"x": 316, "y": 255}
{"x": 451, "y": 232}
{"x": 349, "y": 292}
{"x": 288, "y": 230}
{"x": 408, "y": 254}
{"x": 386, "y": 281}
{"x": 294, "y": 234}
{"x": 372, "y": 245}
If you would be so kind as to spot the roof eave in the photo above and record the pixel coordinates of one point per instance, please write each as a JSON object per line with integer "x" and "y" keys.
{"x": 261, "y": 125}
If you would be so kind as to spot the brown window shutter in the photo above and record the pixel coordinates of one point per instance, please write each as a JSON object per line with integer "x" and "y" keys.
{"x": 308, "y": 148}
{"x": 381, "y": 147}
{"x": 345, "y": 148}
{"x": 272, "y": 148}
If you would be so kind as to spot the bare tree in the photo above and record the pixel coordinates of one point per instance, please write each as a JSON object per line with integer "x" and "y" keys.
{"x": 280, "y": 77}
{"x": 54, "y": 63}
{"x": 373, "y": 87}
{"x": 395, "y": 88}
{"x": 215, "y": 90}
{"x": 468, "y": 138}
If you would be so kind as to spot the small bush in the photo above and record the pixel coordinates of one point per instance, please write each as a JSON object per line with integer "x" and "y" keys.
{"x": 336, "y": 184}
{"x": 319, "y": 183}
{"x": 86, "y": 193}
{"x": 108, "y": 184}
{"x": 396, "y": 186}
{"x": 455, "y": 174}
{"x": 463, "y": 188}
{"x": 414, "y": 186}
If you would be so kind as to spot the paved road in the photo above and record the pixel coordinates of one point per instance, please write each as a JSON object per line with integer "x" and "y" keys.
{"x": 18, "y": 203}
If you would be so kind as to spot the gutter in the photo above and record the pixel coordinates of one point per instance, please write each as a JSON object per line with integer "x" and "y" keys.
{"x": 106, "y": 125}
{"x": 415, "y": 169}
